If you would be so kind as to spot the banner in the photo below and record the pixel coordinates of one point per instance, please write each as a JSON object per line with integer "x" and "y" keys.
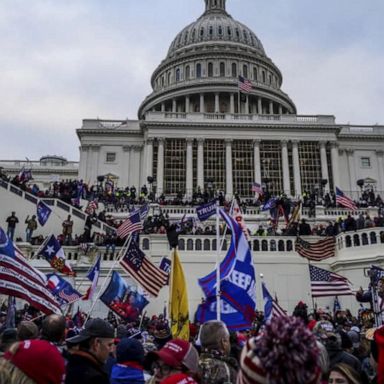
{"x": 205, "y": 211}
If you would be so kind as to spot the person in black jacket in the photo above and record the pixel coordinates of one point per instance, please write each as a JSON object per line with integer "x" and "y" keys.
{"x": 87, "y": 365}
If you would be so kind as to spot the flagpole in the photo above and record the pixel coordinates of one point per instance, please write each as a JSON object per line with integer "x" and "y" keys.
{"x": 124, "y": 247}
{"x": 218, "y": 298}
{"x": 313, "y": 300}
{"x": 170, "y": 286}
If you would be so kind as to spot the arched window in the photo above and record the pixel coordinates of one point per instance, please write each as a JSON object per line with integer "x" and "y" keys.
{"x": 220, "y": 30}
{"x": 145, "y": 244}
{"x": 255, "y": 77}
{"x": 270, "y": 79}
{"x": 202, "y": 32}
{"x": 198, "y": 245}
{"x": 229, "y": 31}
{"x": 256, "y": 245}
{"x": 186, "y": 37}
{"x": 162, "y": 81}
{"x": 234, "y": 70}
{"x": 222, "y": 69}
{"x": 245, "y": 71}
{"x": 245, "y": 34}
{"x": 193, "y": 34}
{"x": 198, "y": 70}
{"x": 177, "y": 74}
{"x": 348, "y": 242}
{"x": 189, "y": 245}
{"x": 181, "y": 244}
{"x": 187, "y": 72}
{"x": 356, "y": 240}
{"x": 364, "y": 239}
{"x": 373, "y": 238}
{"x": 207, "y": 245}
{"x": 281, "y": 246}
{"x": 210, "y": 69}
{"x": 237, "y": 33}
{"x": 264, "y": 245}
{"x": 211, "y": 30}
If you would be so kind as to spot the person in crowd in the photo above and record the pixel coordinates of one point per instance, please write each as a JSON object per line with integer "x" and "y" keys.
{"x": 87, "y": 365}
{"x": 176, "y": 362}
{"x": 344, "y": 374}
{"x": 31, "y": 227}
{"x": 32, "y": 362}
{"x": 285, "y": 352}
{"x": 27, "y": 330}
{"x": 67, "y": 230}
{"x": 130, "y": 359}
{"x": 53, "y": 330}
{"x": 215, "y": 365}
{"x": 8, "y": 337}
{"x": 11, "y": 225}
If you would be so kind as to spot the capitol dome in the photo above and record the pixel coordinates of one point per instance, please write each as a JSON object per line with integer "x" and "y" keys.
{"x": 217, "y": 26}
{"x": 204, "y": 63}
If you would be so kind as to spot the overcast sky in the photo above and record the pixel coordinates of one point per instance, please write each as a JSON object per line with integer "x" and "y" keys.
{"x": 62, "y": 61}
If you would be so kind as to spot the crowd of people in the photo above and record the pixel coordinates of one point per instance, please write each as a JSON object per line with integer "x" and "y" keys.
{"x": 304, "y": 348}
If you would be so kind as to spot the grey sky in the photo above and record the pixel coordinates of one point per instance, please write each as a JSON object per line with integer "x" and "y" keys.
{"x": 62, "y": 61}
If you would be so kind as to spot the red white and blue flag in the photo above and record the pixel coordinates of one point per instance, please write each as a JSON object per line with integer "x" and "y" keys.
{"x": 344, "y": 200}
{"x": 43, "y": 212}
{"x": 131, "y": 224}
{"x": 256, "y": 187}
{"x": 62, "y": 289}
{"x": 53, "y": 252}
{"x": 271, "y": 307}
{"x": 19, "y": 279}
{"x": 93, "y": 276}
{"x": 245, "y": 85}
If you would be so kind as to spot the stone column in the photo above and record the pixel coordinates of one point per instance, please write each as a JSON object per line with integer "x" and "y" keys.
{"x": 335, "y": 164}
{"x": 126, "y": 166}
{"x": 217, "y": 103}
{"x": 163, "y": 107}
{"x": 351, "y": 168}
{"x": 149, "y": 158}
{"x": 202, "y": 107}
{"x": 174, "y": 106}
{"x": 160, "y": 167}
{"x": 246, "y": 105}
{"x": 83, "y": 163}
{"x": 94, "y": 164}
{"x": 271, "y": 107}
{"x": 256, "y": 159}
{"x": 135, "y": 156}
{"x": 324, "y": 164}
{"x": 285, "y": 163}
{"x": 200, "y": 163}
{"x": 189, "y": 173}
{"x": 232, "y": 103}
{"x": 259, "y": 106}
{"x": 280, "y": 109}
{"x": 228, "y": 164}
{"x": 380, "y": 167}
{"x": 296, "y": 167}
{"x": 187, "y": 104}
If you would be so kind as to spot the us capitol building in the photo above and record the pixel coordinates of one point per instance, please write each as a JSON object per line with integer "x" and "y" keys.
{"x": 195, "y": 130}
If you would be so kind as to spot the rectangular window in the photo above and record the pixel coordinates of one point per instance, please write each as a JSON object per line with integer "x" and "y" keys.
{"x": 175, "y": 164}
{"x": 110, "y": 157}
{"x": 310, "y": 166}
{"x": 214, "y": 165}
{"x": 271, "y": 166}
{"x": 242, "y": 163}
{"x": 365, "y": 162}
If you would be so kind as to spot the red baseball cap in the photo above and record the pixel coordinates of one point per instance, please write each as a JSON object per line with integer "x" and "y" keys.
{"x": 178, "y": 352}
{"x": 40, "y": 360}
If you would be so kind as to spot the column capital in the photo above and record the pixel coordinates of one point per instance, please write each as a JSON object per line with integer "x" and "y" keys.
{"x": 160, "y": 140}
{"x": 95, "y": 147}
{"x": 200, "y": 140}
{"x": 349, "y": 151}
{"x": 322, "y": 143}
{"x": 189, "y": 140}
{"x": 284, "y": 142}
{"x": 85, "y": 148}
{"x": 127, "y": 148}
{"x": 137, "y": 147}
{"x": 149, "y": 140}
{"x": 334, "y": 144}
{"x": 228, "y": 141}
{"x": 295, "y": 142}
{"x": 256, "y": 142}
{"x": 380, "y": 152}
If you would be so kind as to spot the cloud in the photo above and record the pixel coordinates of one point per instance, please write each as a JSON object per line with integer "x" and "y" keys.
{"x": 65, "y": 61}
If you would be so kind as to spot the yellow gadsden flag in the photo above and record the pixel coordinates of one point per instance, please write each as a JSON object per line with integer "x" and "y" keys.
{"x": 179, "y": 310}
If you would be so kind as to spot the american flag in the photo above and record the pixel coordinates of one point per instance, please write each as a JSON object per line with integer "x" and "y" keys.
{"x": 19, "y": 279}
{"x": 143, "y": 211}
{"x": 271, "y": 307}
{"x": 131, "y": 224}
{"x": 256, "y": 187}
{"x": 245, "y": 85}
{"x": 344, "y": 200}
{"x": 142, "y": 270}
{"x": 325, "y": 283}
{"x": 320, "y": 250}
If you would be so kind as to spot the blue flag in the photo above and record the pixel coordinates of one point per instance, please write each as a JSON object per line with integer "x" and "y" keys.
{"x": 268, "y": 303}
{"x": 62, "y": 289}
{"x": 237, "y": 283}
{"x": 43, "y": 212}
{"x": 123, "y": 299}
{"x": 270, "y": 204}
{"x": 205, "y": 211}
{"x": 165, "y": 265}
